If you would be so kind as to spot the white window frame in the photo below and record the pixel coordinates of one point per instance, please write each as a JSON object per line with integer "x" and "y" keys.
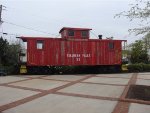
{"x": 40, "y": 44}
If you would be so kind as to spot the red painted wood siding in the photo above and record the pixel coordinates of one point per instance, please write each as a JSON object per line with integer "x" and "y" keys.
{"x": 58, "y": 52}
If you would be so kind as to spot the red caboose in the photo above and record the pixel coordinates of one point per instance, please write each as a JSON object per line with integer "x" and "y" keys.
{"x": 74, "y": 48}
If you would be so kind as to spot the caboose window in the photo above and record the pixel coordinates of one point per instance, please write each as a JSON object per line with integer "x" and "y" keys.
{"x": 65, "y": 33}
{"x": 39, "y": 44}
{"x": 70, "y": 33}
{"x": 111, "y": 45}
{"x": 84, "y": 33}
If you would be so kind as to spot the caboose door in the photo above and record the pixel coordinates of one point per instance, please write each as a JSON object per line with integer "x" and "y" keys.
{"x": 40, "y": 52}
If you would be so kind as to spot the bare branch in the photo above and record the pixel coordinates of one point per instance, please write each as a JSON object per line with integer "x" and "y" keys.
{"x": 140, "y": 10}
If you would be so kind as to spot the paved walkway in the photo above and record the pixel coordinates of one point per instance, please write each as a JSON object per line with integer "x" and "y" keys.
{"x": 98, "y": 93}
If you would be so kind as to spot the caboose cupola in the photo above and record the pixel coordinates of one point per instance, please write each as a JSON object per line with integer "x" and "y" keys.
{"x": 75, "y": 33}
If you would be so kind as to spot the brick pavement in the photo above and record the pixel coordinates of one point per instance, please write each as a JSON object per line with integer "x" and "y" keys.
{"x": 98, "y": 88}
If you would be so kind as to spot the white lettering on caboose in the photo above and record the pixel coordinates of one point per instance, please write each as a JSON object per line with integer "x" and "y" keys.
{"x": 78, "y": 56}
{"x": 73, "y": 55}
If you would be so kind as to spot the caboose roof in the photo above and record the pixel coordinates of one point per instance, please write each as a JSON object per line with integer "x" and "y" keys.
{"x": 66, "y": 28}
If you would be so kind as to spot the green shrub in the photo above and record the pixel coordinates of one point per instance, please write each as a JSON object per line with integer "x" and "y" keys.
{"x": 140, "y": 67}
{"x": 10, "y": 69}
{"x": 146, "y": 67}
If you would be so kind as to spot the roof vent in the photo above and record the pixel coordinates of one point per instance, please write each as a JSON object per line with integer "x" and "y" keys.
{"x": 100, "y": 36}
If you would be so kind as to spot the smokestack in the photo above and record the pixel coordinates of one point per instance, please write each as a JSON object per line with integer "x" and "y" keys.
{"x": 100, "y": 36}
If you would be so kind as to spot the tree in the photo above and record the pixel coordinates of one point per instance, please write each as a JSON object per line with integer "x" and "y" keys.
{"x": 140, "y": 10}
{"x": 139, "y": 52}
{"x": 9, "y": 56}
{"x": 146, "y": 40}
{"x": 3, "y": 51}
{"x": 13, "y": 54}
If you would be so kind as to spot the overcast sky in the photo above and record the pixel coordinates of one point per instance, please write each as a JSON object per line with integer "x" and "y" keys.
{"x": 51, "y": 15}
